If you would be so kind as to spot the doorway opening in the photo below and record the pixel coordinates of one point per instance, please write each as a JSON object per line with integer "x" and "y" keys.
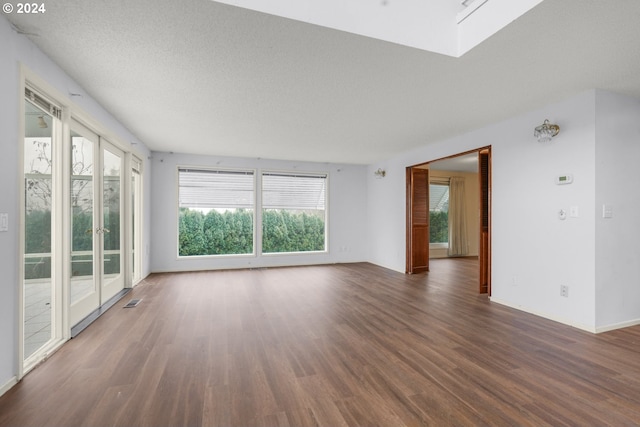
{"x": 448, "y": 212}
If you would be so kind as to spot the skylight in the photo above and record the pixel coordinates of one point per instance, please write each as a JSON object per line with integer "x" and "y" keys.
{"x": 449, "y": 27}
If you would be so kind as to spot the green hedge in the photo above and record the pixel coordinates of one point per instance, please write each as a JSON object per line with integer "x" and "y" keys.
{"x": 438, "y": 227}
{"x": 217, "y": 233}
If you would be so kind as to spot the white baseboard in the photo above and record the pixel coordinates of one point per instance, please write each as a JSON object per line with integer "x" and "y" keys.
{"x": 7, "y": 386}
{"x": 593, "y": 330}
{"x": 615, "y": 326}
{"x": 546, "y": 316}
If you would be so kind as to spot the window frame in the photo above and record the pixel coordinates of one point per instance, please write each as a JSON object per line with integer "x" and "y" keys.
{"x": 254, "y": 200}
{"x": 326, "y": 176}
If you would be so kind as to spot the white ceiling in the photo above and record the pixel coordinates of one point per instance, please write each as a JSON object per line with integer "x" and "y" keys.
{"x": 208, "y": 78}
{"x": 463, "y": 163}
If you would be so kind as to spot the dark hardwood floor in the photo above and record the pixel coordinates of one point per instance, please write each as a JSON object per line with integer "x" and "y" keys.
{"x": 339, "y": 345}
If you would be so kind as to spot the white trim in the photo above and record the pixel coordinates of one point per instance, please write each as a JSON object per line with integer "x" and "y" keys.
{"x": 8, "y": 385}
{"x": 615, "y": 326}
{"x": 21, "y": 229}
{"x": 441, "y": 245}
{"x": 545, "y": 315}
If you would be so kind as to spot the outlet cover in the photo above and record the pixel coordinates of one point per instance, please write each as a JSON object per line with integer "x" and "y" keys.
{"x": 564, "y": 291}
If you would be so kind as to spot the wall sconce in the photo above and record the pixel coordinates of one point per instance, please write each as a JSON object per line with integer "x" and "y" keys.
{"x": 546, "y": 131}
{"x": 380, "y": 173}
{"x": 41, "y": 123}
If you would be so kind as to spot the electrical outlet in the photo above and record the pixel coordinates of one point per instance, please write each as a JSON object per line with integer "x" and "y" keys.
{"x": 564, "y": 291}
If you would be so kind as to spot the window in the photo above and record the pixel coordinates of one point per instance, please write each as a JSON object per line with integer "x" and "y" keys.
{"x": 439, "y": 213}
{"x": 293, "y": 212}
{"x": 216, "y": 212}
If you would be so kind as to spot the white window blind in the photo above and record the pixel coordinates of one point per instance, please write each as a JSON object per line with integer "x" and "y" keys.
{"x": 211, "y": 189}
{"x": 439, "y": 197}
{"x": 293, "y": 191}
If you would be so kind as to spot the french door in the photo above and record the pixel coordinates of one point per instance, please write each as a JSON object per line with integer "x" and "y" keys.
{"x": 96, "y": 216}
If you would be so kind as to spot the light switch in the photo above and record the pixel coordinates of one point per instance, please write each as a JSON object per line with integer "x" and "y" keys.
{"x": 4, "y": 222}
{"x": 607, "y": 211}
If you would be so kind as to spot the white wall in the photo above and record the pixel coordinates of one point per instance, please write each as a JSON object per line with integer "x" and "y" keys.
{"x": 16, "y": 49}
{"x": 618, "y": 185}
{"x": 347, "y": 219}
{"x": 533, "y": 252}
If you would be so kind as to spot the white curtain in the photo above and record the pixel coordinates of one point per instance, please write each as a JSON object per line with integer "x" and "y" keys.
{"x": 458, "y": 242}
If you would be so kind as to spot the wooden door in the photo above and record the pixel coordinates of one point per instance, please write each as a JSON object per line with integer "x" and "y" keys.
{"x": 484, "y": 159}
{"x": 417, "y": 220}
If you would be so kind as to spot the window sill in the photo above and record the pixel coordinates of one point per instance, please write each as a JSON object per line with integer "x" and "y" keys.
{"x": 438, "y": 245}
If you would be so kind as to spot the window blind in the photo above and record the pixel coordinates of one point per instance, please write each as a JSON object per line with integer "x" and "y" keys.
{"x": 211, "y": 188}
{"x": 439, "y": 197}
{"x": 293, "y": 191}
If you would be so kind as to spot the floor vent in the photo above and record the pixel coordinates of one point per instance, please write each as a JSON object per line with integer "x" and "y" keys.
{"x": 132, "y": 303}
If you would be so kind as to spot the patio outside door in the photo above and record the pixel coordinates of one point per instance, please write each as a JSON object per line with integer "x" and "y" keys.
{"x": 96, "y": 215}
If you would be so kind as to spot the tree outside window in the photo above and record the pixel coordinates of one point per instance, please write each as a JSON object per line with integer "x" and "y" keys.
{"x": 439, "y": 213}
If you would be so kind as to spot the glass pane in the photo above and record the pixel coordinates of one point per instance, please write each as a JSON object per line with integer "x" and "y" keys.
{"x": 38, "y": 284}
{"x": 438, "y": 213}
{"x": 135, "y": 226}
{"x": 82, "y": 274}
{"x": 293, "y": 215}
{"x": 111, "y": 213}
{"x": 215, "y": 212}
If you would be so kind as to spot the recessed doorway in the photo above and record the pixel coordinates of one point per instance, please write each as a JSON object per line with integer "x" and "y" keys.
{"x": 448, "y": 206}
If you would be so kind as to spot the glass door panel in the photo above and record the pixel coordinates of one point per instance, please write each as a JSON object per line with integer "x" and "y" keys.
{"x": 111, "y": 230}
{"x": 84, "y": 292}
{"x": 38, "y": 283}
{"x": 136, "y": 213}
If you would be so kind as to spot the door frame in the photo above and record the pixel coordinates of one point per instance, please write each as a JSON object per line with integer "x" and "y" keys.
{"x": 484, "y": 252}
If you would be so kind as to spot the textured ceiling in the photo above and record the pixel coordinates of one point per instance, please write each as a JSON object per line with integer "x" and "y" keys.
{"x": 209, "y": 78}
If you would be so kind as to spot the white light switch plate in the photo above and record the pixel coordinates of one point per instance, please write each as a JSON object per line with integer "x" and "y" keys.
{"x": 4, "y": 222}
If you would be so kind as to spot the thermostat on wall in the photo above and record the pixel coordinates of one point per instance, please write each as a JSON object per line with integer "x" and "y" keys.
{"x": 564, "y": 179}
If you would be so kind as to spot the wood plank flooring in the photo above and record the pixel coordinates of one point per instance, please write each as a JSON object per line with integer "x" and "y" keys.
{"x": 340, "y": 345}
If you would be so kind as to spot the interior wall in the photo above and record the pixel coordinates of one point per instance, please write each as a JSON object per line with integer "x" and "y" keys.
{"x": 16, "y": 49}
{"x": 9, "y": 160}
{"x": 617, "y": 250}
{"x": 472, "y": 211}
{"x": 347, "y": 237}
{"x": 533, "y": 251}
